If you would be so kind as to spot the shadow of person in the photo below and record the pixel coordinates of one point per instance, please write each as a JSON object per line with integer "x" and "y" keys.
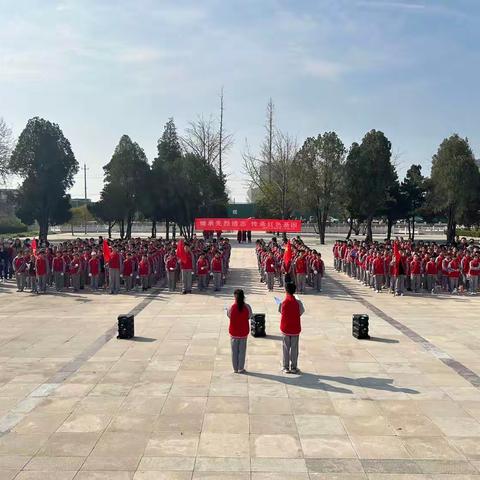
{"x": 373, "y": 383}
{"x": 306, "y": 380}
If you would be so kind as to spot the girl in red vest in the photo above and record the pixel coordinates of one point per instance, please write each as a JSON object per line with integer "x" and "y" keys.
{"x": 291, "y": 310}
{"x": 239, "y": 314}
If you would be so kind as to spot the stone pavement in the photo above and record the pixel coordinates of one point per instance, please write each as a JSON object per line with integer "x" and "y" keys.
{"x": 76, "y": 403}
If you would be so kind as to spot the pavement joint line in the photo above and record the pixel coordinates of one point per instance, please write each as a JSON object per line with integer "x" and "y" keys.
{"x": 27, "y": 404}
{"x": 443, "y": 356}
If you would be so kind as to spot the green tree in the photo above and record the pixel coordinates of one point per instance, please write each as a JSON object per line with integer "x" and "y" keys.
{"x": 320, "y": 162}
{"x": 203, "y": 193}
{"x": 79, "y": 215}
{"x": 455, "y": 181}
{"x": 165, "y": 175}
{"x": 414, "y": 190}
{"x": 370, "y": 175}
{"x": 109, "y": 208}
{"x": 44, "y": 159}
{"x": 126, "y": 176}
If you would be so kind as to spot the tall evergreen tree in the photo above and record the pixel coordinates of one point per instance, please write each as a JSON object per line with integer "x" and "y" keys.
{"x": 44, "y": 159}
{"x": 165, "y": 177}
{"x": 455, "y": 181}
{"x": 370, "y": 175}
{"x": 127, "y": 173}
{"x": 413, "y": 189}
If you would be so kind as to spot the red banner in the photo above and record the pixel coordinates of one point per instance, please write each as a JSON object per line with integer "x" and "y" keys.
{"x": 248, "y": 224}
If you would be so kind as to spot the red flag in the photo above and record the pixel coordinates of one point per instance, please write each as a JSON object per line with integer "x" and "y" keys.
{"x": 34, "y": 246}
{"x": 181, "y": 253}
{"x": 287, "y": 256}
{"x": 106, "y": 251}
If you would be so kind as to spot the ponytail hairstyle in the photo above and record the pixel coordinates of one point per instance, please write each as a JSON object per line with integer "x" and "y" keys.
{"x": 239, "y": 298}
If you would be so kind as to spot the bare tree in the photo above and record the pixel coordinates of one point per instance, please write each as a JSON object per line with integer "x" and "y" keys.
{"x": 6, "y": 147}
{"x": 208, "y": 140}
{"x": 273, "y": 177}
{"x": 268, "y": 144}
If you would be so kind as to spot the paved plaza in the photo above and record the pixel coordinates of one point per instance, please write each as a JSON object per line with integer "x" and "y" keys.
{"x": 76, "y": 403}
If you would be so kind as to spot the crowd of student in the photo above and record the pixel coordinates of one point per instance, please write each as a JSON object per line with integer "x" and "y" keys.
{"x": 399, "y": 266}
{"x": 302, "y": 264}
{"x": 117, "y": 265}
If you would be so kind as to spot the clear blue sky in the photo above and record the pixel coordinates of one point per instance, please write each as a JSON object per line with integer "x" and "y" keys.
{"x": 104, "y": 68}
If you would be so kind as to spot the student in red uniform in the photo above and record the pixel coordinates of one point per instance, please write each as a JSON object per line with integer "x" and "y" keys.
{"x": 291, "y": 309}
{"x": 171, "y": 265}
{"x": 41, "y": 268}
{"x": 186, "y": 266}
{"x": 378, "y": 267}
{"x": 239, "y": 314}
{"x": 301, "y": 272}
{"x": 114, "y": 268}
{"x": 217, "y": 270}
{"x": 94, "y": 270}
{"x": 453, "y": 274}
{"x": 416, "y": 274}
{"x": 431, "y": 274}
{"x": 75, "y": 272}
{"x": 202, "y": 272}
{"x": 58, "y": 267}
{"x": 128, "y": 272}
{"x": 144, "y": 272}
{"x": 474, "y": 273}
{"x": 20, "y": 269}
{"x": 270, "y": 268}
{"x": 318, "y": 270}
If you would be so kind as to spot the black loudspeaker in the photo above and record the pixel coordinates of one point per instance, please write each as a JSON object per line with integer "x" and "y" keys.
{"x": 257, "y": 325}
{"x": 360, "y": 327}
{"x": 126, "y": 326}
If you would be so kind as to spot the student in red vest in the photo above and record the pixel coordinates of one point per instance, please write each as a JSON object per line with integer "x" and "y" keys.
{"x": 318, "y": 271}
{"x": 171, "y": 265}
{"x": 58, "y": 267}
{"x": 42, "y": 269}
{"x": 453, "y": 274}
{"x": 94, "y": 270}
{"x": 291, "y": 309}
{"x": 270, "y": 268}
{"x": 431, "y": 274}
{"x": 416, "y": 274}
{"x": 186, "y": 266}
{"x": 144, "y": 272}
{"x": 239, "y": 314}
{"x": 128, "y": 272}
{"x": 474, "y": 273}
{"x": 301, "y": 272}
{"x": 378, "y": 267}
{"x": 217, "y": 270}
{"x": 20, "y": 269}
{"x": 114, "y": 267}
{"x": 75, "y": 272}
{"x": 202, "y": 272}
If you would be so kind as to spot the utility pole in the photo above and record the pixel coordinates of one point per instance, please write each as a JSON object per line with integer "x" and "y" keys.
{"x": 85, "y": 185}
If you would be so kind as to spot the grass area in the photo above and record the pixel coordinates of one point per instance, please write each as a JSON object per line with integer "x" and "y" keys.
{"x": 28, "y": 234}
{"x": 468, "y": 233}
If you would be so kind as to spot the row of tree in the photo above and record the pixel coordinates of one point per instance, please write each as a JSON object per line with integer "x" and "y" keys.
{"x": 184, "y": 181}
{"x": 361, "y": 184}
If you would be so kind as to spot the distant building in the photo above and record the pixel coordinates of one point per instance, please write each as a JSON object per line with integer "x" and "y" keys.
{"x": 8, "y": 202}
{"x": 79, "y": 202}
{"x": 241, "y": 210}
